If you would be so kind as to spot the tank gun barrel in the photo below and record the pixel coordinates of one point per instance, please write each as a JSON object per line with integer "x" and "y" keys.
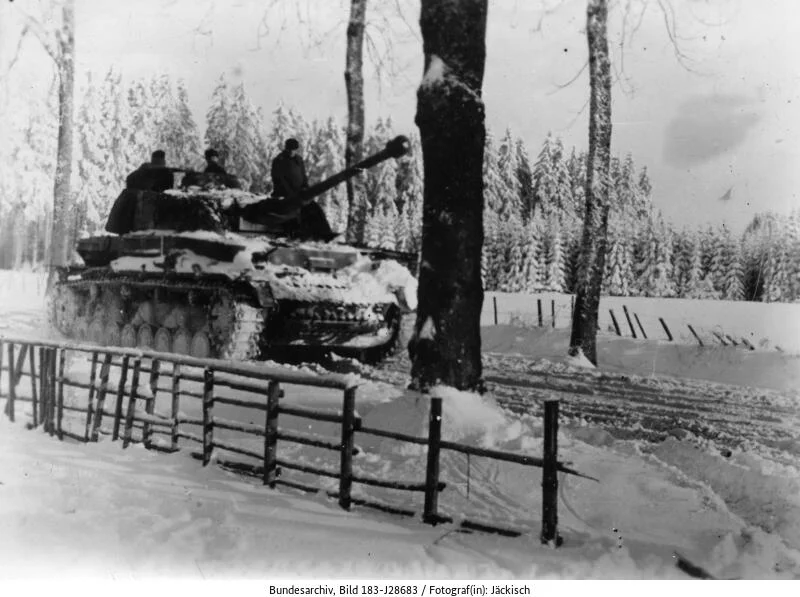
{"x": 397, "y": 147}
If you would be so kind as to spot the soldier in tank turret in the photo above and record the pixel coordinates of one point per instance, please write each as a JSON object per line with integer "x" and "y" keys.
{"x": 212, "y": 163}
{"x": 153, "y": 175}
{"x": 289, "y": 180}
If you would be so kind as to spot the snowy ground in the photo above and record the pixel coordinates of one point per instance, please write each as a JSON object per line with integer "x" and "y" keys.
{"x": 686, "y": 462}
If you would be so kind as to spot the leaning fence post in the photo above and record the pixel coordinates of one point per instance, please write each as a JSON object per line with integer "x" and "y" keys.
{"x": 550, "y": 475}
{"x": 12, "y": 389}
{"x": 666, "y": 329}
{"x": 208, "y": 415}
{"x": 101, "y": 397}
{"x": 539, "y": 311}
{"x": 271, "y": 435}
{"x": 92, "y": 392}
{"x": 128, "y": 431}
{"x": 431, "y": 510}
{"x": 691, "y": 329}
{"x": 123, "y": 379}
{"x": 614, "y": 321}
{"x": 639, "y": 323}
{"x": 494, "y": 302}
{"x": 346, "y": 456}
{"x": 630, "y": 322}
{"x": 176, "y": 402}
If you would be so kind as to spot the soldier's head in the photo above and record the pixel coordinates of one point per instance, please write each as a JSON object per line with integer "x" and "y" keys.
{"x": 292, "y": 146}
{"x": 212, "y": 155}
{"x": 158, "y": 158}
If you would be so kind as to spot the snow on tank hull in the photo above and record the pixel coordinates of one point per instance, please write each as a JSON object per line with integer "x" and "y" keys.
{"x": 224, "y": 295}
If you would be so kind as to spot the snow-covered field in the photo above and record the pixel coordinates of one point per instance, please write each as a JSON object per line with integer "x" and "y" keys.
{"x": 689, "y": 456}
{"x": 767, "y": 326}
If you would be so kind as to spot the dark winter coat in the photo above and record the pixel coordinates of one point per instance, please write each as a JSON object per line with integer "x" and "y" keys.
{"x": 288, "y": 175}
{"x": 215, "y": 168}
{"x": 149, "y": 177}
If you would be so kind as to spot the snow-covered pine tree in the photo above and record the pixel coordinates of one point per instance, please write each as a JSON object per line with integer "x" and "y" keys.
{"x": 555, "y": 261}
{"x": 533, "y": 270}
{"x": 92, "y": 158}
{"x": 694, "y": 266}
{"x": 140, "y": 141}
{"x": 525, "y": 181}
{"x": 220, "y": 120}
{"x": 776, "y": 282}
{"x": 734, "y": 271}
{"x": 508, "y": 171}
{"x": 247, "y": 157}
{"x": 719, "y": 258}
{"x": 545, "y": 180}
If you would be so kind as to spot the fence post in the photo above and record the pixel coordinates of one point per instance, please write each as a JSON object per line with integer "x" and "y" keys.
{"x": 639, "y": 323}
{"x": 666, "y": 329}
{"x": 12, "y": 385}
{"x": 550, "y": 475}
{"x": 34, "y": 389}
{"x": 44, "y": 399}
{"x": 92, "y": 392}
{"x": 630, "y": 322}
{"x": 123, "y": 379}
{"x": 150, "y": 404}
{"x": 1, "y": 361}
{"x": 691, "y": 329}
{"x": 346, "y": 456}
{"x": 614, "y": 321}
{"x": 208, "y": 415}
{"x": 539, "y": 311}
{"x": 271, "y": 435}
{"x": 176, "y": 402}
{"x": 553, "y": 311}
{"x": 128, "y": 431}
{"x": 49, "y": 373}
{"x": 571, "y": 309}
{"x": 431, "y": 511}
{"x": 101, "y": 397}
{"x": 59, "y": 394}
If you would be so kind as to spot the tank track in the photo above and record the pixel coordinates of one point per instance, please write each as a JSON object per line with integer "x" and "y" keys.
{"x": 225, "y": 324}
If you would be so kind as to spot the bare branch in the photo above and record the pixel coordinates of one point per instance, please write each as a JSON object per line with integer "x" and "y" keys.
{"x": 574, "y": 78}
{"x": 47, "y": 41}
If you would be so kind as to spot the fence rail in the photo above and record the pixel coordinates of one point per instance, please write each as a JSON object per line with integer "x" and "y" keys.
{"x": 143, "y": 376}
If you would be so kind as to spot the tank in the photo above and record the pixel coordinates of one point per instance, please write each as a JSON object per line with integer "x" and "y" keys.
{"x": 209, "y": 270}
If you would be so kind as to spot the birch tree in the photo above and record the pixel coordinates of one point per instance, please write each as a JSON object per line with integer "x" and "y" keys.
{"x": 354, "y": 148}
{"x": 593, "y": 249}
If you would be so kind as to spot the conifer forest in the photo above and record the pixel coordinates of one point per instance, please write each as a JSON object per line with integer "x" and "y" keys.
{"x": 534, "y": 195}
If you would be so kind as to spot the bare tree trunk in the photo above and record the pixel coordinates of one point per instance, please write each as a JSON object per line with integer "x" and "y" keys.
{"x": 595, "y": 226}
{"x": 61, "y": 231}
{"x": 446, "y": 345}
{"x": 354, "y": 81}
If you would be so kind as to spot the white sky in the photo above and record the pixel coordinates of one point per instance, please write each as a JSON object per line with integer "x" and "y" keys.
{"x": 733, "y": 122}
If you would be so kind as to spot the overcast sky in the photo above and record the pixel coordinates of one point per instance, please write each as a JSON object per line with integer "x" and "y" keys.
{"x": 724, "y": 116}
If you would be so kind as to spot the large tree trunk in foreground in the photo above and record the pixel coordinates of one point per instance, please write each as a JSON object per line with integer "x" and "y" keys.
{"x": 446, "y": 345}
{"x": 354, "y": 82}
{"x": 593, "y": 251}
{"x": 62, "y": 237}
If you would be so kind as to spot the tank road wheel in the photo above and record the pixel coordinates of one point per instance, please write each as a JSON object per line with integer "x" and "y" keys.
{"x": 182, "y": 342}
{"x": 128, "y": 336}
{"x": 96, "y": 330}
{"x": 144, "y": 336}
{"x": 235, "y": 328}
{"x": 111, "y": 334}
{"x": 201, "y": 346}
{"x": 163, "y": 340}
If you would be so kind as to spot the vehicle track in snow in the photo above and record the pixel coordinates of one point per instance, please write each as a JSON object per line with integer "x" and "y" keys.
{"x": 635, "y": 407}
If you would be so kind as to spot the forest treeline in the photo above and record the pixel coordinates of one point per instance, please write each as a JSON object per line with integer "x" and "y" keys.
{"x": 534, "y": 204}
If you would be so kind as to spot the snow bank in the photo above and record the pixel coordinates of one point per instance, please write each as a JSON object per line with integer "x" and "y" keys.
{"x": 729, "y": 365}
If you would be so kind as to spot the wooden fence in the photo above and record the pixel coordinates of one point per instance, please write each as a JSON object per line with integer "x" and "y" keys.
{"x": 179, "y": 377}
